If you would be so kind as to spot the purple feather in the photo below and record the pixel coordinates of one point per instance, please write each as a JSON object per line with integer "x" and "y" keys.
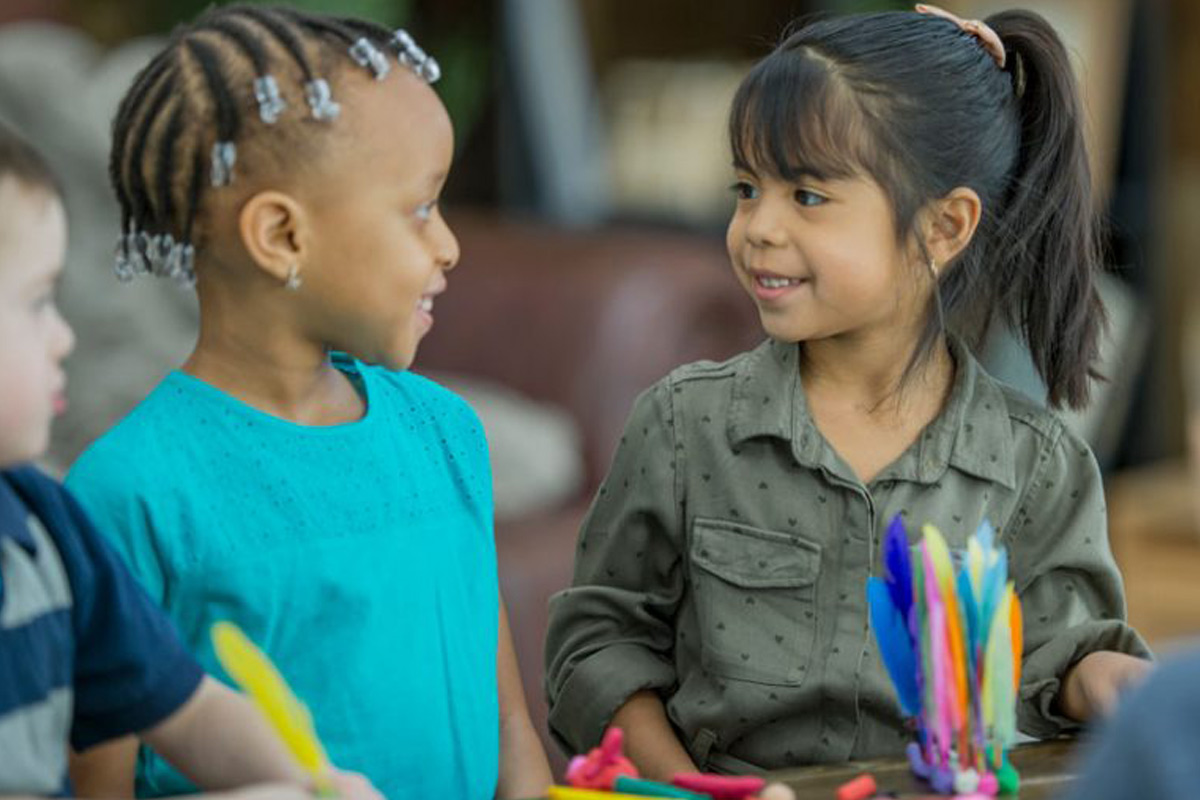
{"x": 897, "y": 566}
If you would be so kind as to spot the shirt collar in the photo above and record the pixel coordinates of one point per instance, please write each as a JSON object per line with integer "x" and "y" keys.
{"x": 766, "y": 393}
{"x": 973, "y": 433}
{"x": 14, "y": 516}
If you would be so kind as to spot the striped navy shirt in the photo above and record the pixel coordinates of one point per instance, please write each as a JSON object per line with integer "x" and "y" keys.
{"x": 85, "y": 655}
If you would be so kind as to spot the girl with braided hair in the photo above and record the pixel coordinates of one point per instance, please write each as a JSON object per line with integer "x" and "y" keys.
{"x": 291, "y": 476}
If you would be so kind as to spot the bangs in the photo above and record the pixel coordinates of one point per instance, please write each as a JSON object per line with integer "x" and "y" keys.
{"x": 793, "y": 117}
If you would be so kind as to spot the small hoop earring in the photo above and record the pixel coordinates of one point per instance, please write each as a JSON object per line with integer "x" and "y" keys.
{"x": 933, "y": 271}
{"x": 293, "y": 280}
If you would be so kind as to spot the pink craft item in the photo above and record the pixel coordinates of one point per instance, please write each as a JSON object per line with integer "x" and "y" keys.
{"x": 601, "y": 767}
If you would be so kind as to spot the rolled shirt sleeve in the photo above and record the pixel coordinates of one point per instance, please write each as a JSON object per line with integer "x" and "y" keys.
{"x": 612, "y": 632}
{"x": 1071, "y": 593}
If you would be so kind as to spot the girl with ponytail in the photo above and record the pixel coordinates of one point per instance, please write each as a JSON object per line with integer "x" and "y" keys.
{"x": 903, "y": 179}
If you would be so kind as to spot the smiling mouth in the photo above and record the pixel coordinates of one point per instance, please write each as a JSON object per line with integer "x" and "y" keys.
{"x": 773, "y": 281}
{"x": 777, "y": 283}
{"x": 426, "y": 304}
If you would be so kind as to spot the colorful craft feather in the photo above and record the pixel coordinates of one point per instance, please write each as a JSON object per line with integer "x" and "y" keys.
{"x": 951, "y": 640}
{"x": 257, "y": 676}
{"x": 895, "y": 645}
{"x": 897, "y": 564}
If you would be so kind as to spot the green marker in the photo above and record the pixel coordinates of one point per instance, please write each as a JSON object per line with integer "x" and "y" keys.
{"x": 628, "y": 785}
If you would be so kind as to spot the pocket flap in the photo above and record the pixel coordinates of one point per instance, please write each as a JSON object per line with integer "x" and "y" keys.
{"x": 752, "y": 557}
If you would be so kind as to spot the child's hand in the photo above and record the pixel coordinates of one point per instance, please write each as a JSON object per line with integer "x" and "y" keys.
{"x": 347, "y": 785}
{"x": 266, "y": 791}
{"x": 1093, "y": 686}
{"x": 352, "y": 786}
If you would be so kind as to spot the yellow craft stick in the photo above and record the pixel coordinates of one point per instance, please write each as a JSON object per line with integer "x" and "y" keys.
{"x": 259, "y": 678}
{"x": 573, "y": 793}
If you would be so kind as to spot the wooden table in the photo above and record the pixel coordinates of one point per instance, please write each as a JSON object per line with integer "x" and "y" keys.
{"x": 1045, "y": 773}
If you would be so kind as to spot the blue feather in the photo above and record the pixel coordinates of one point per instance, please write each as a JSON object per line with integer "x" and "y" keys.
{"x": 897, "y": 564}
{"x": 970, "y": 612}
{"x": 994, "y": 581}
{"x": 895, "y": 645}
{"x": 986, "y": 535}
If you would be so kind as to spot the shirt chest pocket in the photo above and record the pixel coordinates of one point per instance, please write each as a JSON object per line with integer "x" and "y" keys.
{"x": 755, "y": 596}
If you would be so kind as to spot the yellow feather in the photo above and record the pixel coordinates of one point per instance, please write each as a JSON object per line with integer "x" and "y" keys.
{"x": 939, "y": 554}
{"x": 975, "y": 565}
{"x": 257, "y": 676}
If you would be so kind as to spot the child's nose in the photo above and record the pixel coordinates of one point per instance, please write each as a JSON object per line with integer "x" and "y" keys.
{"x": 64, "y": 337}
{"x": 447, "y": 250}
{"x": 765, "y": 226}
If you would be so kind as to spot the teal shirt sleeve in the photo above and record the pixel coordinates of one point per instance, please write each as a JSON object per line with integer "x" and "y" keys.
{"x": 102, "y": 483}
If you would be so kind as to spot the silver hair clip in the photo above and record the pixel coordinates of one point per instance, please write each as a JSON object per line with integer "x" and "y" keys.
{"x": 180, "y": 263}
{"x": 125, "y": 269}
{"x": 156, "y": 252}
{"x": 429, "y": 70}
{"x": 143, "y": 246}
{"x": 270, "y": 104}
{"x": 140, "y": 253}
{"x": 224, "y": 156}
{"x": 368, "y": 56}
{"x": 137, "y": 261}
{"x": 410, "y": 54}
{"x": 159, "y": 251}
{"x": 320, "y": 100}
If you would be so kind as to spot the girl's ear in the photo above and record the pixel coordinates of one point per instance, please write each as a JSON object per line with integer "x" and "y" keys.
{"x": 949, "y": 224}
{"x": 275, "y": 232}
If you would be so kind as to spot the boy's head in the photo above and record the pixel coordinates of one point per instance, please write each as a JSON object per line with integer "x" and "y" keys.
{"x": 34, "y": 339}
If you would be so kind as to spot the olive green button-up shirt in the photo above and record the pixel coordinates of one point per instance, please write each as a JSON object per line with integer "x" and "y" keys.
{"x": 724, "y": 562}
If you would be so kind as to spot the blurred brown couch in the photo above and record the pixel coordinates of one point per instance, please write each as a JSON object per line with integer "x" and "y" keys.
{"x": 583, "y": 321}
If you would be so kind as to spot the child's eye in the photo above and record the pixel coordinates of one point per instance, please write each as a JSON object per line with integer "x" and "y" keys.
{"x": 425, "y": 211}
{"x": 744, "y": 190}
{"x": 806, "y": 198}
{"x": 44, "y": 301}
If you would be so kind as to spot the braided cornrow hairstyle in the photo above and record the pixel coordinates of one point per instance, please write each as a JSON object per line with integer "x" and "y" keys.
{"x": 177, "y": 132}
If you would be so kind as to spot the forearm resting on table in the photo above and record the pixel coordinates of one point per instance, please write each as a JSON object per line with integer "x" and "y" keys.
{"x": 109, "y": 770}
{"x": 1093, "y": 685}
{"x": 219, "y": 740}
{"x": 524, "y": 770}
{"x": 650, "y": 741}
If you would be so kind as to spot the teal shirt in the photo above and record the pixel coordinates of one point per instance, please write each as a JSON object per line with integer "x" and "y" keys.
{"x": 359, "y": 556}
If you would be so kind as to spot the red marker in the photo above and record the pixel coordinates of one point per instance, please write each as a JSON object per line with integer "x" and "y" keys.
{"x": 860, "y": 788}
{"x": 719, "y": 787}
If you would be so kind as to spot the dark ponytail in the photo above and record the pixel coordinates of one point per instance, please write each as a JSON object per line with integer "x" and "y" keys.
{"x": 922, "y": 108}
{"x": 1047, "y": 252}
